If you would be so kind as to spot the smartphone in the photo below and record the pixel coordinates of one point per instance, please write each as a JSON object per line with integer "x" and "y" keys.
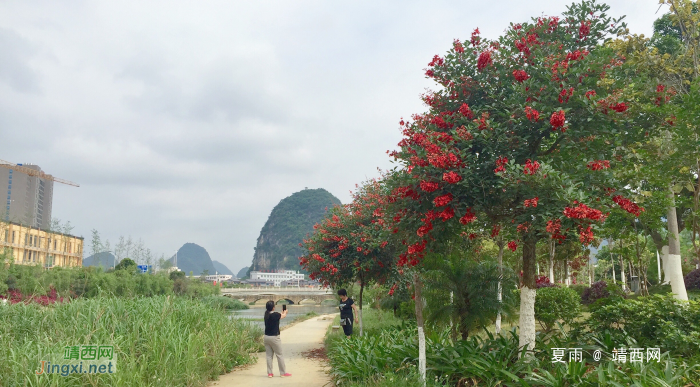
{"x": 284, "y": 307}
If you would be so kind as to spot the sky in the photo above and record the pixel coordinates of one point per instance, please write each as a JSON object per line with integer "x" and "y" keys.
{"x": 188, "y": 121}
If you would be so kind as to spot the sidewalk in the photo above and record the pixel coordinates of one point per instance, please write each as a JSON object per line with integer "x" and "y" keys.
{"x": 304, "y": 336}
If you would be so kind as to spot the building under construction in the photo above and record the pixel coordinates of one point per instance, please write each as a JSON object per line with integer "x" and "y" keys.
{"x": 25, "y": 219}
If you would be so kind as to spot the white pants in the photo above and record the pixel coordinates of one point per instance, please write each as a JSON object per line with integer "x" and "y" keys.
{"x": 273, "y": 346}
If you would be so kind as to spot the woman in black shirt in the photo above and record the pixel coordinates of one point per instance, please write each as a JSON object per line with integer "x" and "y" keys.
{"x": 346, "y": 306}
{"x": 273, "y": 344}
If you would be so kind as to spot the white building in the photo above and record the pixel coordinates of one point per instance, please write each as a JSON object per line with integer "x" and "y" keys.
{"x": 277, "y": 276}
{"x": 218, "y": 278}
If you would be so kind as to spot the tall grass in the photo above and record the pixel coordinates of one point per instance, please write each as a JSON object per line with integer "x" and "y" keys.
{"x": 159, "y": 341}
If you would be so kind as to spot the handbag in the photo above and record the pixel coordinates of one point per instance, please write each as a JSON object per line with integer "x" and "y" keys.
{"x": 343, "y": 321}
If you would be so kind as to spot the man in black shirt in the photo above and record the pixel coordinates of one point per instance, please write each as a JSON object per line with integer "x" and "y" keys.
{"x": 346, "y": 306}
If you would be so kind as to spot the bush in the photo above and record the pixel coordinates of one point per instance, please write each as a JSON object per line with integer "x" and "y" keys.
{"x": 554, "y": 303}
{"x": 224, "y": 303}
{"x": 602, "y": 290}
{"x": 579, "y": 289}
{"x": 692, "y": 280}
{"x": 655, "y": 321}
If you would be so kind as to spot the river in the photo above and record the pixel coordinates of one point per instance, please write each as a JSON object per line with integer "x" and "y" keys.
{"x": 256, "y": 312}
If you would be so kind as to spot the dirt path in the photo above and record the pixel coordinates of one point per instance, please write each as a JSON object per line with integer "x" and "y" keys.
{"x": 301, "y": 337}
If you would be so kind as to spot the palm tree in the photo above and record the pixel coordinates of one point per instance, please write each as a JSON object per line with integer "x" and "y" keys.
{"x": 464, "y": 293}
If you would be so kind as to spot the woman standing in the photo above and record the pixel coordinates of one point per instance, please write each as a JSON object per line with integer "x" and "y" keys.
{"x": 346, "y": 306}
{"x": 273, "y": 344}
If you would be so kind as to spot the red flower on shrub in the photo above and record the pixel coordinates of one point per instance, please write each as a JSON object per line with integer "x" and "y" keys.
{"x": 468, "y": 217}
{"x": 520, "y": 75}
{"x": 512, "y": 245}
{"x": 500, "y": 164}
{"x": 628, "y": 205}
{"x": 484, "y": 60}
{"x": 558, "y": 119}
{"x": 442, "y": 200}
{"x": 531, "y": 167}
{"x": 429, "y": 186}
{"x": 466, "y": 111}
{"x": 598, "y": 165}
{"x": 531, "y": 202}
{"x": 532, "y": 114}
{"x": 451, "y": 177}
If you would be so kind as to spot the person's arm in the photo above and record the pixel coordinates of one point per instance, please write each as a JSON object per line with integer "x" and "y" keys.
{"x": 357, "y": 314}
{"x": 284, "y": 314}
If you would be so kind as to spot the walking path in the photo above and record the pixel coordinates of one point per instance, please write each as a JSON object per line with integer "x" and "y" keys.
{"x": 301, "y": 337}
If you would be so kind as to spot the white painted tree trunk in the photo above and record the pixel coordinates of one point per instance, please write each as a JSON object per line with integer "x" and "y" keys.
{"x": 419, "y": 319}
{"x": 552, "y": 247}
{"x": 623, "y": 278}
{"x": 675, "y": 271}
{"x": 500, "y": 290}
{"x": 568, "y": 274}
{"x": 527, "y": 317}
{"x": 658, "y": 264}
{"x": 664, "y": 260}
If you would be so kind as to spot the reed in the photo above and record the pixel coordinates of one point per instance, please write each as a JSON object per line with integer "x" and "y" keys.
{"x": 159, "y": 341}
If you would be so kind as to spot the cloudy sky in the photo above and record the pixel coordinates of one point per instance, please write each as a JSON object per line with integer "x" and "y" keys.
{"x": 188, "y": 121}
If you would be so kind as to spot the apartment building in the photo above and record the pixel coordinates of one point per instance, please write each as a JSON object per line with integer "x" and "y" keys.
{"x": 34, "y": 246}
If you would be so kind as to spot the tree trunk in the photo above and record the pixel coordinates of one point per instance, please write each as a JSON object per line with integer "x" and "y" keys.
{"x": 623, "y": 278}
{"x": 528, "y": 292}
{"x": 567, "y": 281}
{"x": 612, "y": 263}
{"x": 674, "y": 252}
{"x": 552, "y": 247}
{"x": 501, "y": 244}
{"x": 419, "y": 320}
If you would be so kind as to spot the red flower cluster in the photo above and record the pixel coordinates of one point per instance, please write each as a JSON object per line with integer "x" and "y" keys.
{"x": 554, "y": 228}
{"x": 437, "y": 61}
{"x": 520, "y": 75}
{"x": 512, "y": 245}
{"x": 531, "y": 202}
{"x": 532, "y": 114}
{"x": 585, "y": 29}
{"x": 557, "y": 120}
{"x": 468, "y": 217}
{"x": 484, "y": 60}
{"x": 15, "y": 297}
{"x": 627, "y": 205}
{"x": 483, "y": 123}
{"x": 428, "y": 186}
{"x": 446, "y": 214}
{"x": 464, "y": 133}
{"x": 590, "y": 94}
{"x": 475, "y": 37}
{"x": 523, "y": 227}
{"x": 459, "y": 48}
{"x": 442, "y": 200}
{"x": 495, "y": 230}
{"x": 500, "y": 164}
{"x": 424, "y": 229}
{"x": 598, "y": 165}
{"x": 620, "y": 107}
{"x": 466, "y": 111}
{"x": 582, "y": 211}
{"x": 565, "y": 95}
{"x": 585, "y": 235}
{"x": 451, "y": 177}
{"x": 531, "y": 167}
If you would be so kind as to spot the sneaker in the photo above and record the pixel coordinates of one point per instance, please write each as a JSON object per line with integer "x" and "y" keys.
{"x": 270, "y": 375}
{"x": 285, "y": 375}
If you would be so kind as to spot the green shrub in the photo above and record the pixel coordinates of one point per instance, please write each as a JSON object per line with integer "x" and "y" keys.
{"x": 579, "y": 289}
{"x": 655, "y": 321}
{"x": 224, "y": 303}
{"x": 554, "y": 303}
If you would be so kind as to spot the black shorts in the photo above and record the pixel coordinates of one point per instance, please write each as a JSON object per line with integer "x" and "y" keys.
{"x": 347, "y": 328}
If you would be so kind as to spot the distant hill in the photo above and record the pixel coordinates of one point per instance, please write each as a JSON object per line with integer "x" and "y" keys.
{"x": 105, "y": 260}
{"x": 221, "y": 268}
{"x": 243, "y": 272}
{"x": 194, "y": 258}
{"x": 288, "y": 224}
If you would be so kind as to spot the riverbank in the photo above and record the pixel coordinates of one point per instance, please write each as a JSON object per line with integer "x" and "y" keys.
{"x": 297, "y": 339}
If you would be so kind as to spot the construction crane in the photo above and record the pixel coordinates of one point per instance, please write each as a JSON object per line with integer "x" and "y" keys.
{"x": 34, "y": 172}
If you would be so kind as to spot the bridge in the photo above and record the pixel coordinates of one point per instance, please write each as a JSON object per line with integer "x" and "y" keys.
{"x": 289, "y": 294}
